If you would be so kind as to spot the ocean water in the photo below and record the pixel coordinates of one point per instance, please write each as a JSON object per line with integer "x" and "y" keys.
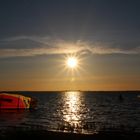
{"x": 77, "y": 112}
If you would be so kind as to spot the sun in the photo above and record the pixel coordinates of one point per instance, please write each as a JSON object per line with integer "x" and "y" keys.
{"x": 72, "y": 62}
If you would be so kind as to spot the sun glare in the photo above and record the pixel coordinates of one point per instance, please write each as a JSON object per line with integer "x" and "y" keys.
{"x": 72, "y": 62}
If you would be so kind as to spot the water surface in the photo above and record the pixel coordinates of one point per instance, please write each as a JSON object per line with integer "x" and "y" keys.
{"x": 76, "y": 111}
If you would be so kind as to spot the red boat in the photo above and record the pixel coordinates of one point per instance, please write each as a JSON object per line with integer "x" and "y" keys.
{"x": 16, "y": 101}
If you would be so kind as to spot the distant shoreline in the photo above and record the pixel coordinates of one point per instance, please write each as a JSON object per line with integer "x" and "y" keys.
{"x": 102, "y": 91}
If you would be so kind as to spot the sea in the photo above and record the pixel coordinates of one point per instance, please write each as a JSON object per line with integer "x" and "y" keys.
{"x": 83, "y": 112}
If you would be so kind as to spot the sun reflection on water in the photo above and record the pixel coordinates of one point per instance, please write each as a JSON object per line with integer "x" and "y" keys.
{"x": 71, "y": 108}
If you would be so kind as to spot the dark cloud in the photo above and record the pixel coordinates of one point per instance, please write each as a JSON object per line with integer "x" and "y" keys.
{"x": 68, "y": 19}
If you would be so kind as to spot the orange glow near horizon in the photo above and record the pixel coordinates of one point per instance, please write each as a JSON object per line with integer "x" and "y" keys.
{"x": 63, "y": 83}
{"x": 56, "y": 75}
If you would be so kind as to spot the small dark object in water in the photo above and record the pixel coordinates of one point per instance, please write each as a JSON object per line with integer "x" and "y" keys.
{"x": 121, "y": 97}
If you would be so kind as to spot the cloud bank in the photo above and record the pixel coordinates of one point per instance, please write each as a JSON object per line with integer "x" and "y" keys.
{"x": 35, "y": 46}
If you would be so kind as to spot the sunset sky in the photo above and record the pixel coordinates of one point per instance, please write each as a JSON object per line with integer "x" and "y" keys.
{"x": 38, "y": 36}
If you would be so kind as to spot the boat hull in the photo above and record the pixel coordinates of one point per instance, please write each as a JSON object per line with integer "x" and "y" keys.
{"x": 14, "y": 101}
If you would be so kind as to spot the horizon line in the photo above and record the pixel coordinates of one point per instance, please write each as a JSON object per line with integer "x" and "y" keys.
{"x": 70, "y": 90}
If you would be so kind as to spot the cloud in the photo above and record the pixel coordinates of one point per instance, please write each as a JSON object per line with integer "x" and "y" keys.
{"x": 35, "y": 46}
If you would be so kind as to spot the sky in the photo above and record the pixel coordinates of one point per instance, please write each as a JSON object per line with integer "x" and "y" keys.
{"x": 37, "y": 37}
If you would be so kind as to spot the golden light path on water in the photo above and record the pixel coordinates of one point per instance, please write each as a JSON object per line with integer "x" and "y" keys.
{"x": 74, "y": 112}
{"x": 72, "y": 108}
{"x": 72, "y": 105}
